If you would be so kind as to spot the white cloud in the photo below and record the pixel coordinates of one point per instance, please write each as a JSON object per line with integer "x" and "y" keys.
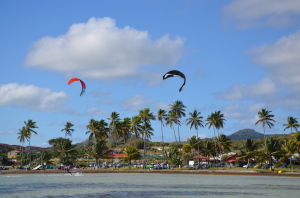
{"x": 256, "y": 107}
{"x": 273, "y": 13}
{"x": 12, "y": 131}
{"x": 32, "y": 97}
{"x": 242, "y": 91}
{"x": 100, "y": 50}
{"x": 95, "y": 111}
{"x": 282, "y": 59}
{"x": 232, "y": 107}
{"x": 161, "y": 105}
{"x": 137, "y": 102}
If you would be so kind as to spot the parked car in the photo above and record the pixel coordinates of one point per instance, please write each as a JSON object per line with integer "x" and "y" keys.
{"x": 92, "y": 164}
{"x": 203, "y": 166}
{"x": 251, "y": 165}
{"x": 241, "y": 164}
{"x": 219, "y": 164}
{"x": 158, "y": 166}
{"x": 138, "y": 165}
{"x": 149, "y": 166}
{"x": 282, "y": 166}
{"x": 268, "y": 166}
{"x": 3, "y": 168}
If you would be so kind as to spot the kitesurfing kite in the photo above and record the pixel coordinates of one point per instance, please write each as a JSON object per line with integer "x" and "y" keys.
{"x": 82, "y": 84}
{"x": 174, "y": 73}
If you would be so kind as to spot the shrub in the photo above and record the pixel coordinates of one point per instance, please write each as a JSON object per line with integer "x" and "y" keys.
{"x": 276, "y": 165}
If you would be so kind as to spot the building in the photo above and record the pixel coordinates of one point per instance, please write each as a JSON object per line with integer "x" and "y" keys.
{"x": 15, "y": 153}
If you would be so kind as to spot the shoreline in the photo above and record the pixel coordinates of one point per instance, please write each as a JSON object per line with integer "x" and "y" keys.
{"x": 146, "y": 171}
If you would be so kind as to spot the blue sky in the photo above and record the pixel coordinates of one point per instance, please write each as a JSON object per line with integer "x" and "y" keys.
{"x": 239, "y": 56}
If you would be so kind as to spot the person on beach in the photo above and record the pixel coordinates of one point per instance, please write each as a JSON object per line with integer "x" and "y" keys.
{"x": 68, "y": 171}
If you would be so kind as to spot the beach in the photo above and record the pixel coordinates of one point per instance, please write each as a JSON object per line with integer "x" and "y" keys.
{"x": 154, "y": 171}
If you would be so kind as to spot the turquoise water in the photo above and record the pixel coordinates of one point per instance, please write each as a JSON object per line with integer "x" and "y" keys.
{"x": 147, "y": 185}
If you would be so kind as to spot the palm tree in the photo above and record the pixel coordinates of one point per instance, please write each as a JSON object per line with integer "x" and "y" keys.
{"x": 248, "y": 152}
{"x": 147, "y": 132}
{"x": 146, "y": 117}
{"x": 296, "y": 140}
{"x": 270, "y": 149}
{"x": 161, "y": 116}
{"x": 216, "y": 120}
{"x": 28, "y": 130}
{"x": 207, "y": 148}
{"x": 132, "y": 153}
{"x": 224, "y": 144}
{"x": 98, "y": 150}
{"x": 171, "y": 119}
{"x": 288, "y": 149}
{"x": 45, "y": 157}
{"x": 265, "y": 118}
{"x": 173, "y": 156}
{"x": 292, "y": 123}
{"x": 103, "y": 129}
{"x": 113, "y": 130}
{"x": 193, "y": 143}
{"x": 54, "y": 142}
{"x": 179, "y": 109}
{"x": 22, "y": 138}
{"x": 67, "y": 129}
{"x": 135, "y": 127}
{"x": 125, "y": 126}
{"x": 66, "y": 152}
{"x": 195, "y": 121}
{"x": 93, "y": 129}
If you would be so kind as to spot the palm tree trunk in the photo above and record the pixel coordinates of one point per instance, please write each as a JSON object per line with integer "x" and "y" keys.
{"x": 163, "y": 143}
{"x": 248, "y": 163}
{"x": 175, "y": 135}
{"x": 221, "y": 152}
{"x": 215, "y": 149}
{"x": 22, "y": 154}
{"x": 270, "y": 162}
{"x": 198, "y": 147}
{"x": 144, "y": 137}
{"x": 29, "y": 152}
{"x": 178, "y": 133}
{"x": 291, "y": 164}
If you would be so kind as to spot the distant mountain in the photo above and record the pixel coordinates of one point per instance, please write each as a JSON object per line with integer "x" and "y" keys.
{"x": 249, "y": 133}
{"x": 246, "y": 133}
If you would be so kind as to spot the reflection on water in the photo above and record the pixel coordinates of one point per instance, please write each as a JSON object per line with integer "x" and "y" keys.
{"x": 146, "y": 185}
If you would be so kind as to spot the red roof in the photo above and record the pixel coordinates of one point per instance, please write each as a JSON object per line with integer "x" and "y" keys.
{"x": 119, "y": 155}
{"x": 201, "y": 157}
{"x": 231, "y": 158}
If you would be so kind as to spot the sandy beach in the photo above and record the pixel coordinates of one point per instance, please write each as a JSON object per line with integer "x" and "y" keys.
{"x": 146, "y": 171}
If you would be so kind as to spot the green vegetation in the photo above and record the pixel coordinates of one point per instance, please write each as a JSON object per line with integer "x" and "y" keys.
{"x": 131, "y": 136}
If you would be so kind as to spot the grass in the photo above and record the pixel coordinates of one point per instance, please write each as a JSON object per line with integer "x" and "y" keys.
{"x": 258, "y": 170}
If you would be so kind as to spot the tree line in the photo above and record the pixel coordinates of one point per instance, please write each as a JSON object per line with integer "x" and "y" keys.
{"x": 140, "y": 126}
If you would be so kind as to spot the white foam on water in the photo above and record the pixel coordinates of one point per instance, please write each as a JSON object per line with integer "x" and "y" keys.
{"x": 77, "y": 174}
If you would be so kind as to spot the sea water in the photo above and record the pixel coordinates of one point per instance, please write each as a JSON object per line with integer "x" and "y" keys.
{"x": 139, "y": 185}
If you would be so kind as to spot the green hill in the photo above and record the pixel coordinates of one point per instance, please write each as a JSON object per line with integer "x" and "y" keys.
{"x": 249, "y": 133}
{"x": 246, "y": 133}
